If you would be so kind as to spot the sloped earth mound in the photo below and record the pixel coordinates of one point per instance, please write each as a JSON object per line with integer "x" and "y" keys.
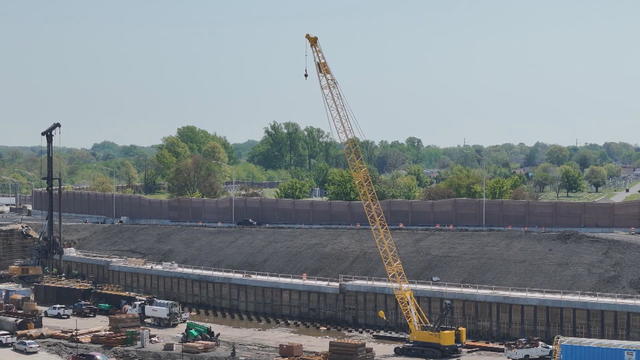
{"x": 567, "y": 260}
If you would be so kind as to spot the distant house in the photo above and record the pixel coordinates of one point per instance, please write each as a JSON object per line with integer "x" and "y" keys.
{"x": 432, "y": 173}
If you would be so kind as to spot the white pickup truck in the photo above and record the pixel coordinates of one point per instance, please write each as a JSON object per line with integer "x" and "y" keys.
{"x": 7, "y": 339}
{"x": 528, "y": 349}
{"x": 59, "y": 311}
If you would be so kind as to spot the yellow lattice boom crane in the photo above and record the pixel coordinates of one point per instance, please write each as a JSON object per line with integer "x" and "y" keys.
{"x": 433, "y": 340}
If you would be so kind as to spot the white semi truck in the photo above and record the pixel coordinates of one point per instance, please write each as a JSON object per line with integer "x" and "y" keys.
{"x": 162, "y": 312}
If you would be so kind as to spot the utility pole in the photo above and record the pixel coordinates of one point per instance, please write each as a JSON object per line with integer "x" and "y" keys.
{"x": 50, "y": 244}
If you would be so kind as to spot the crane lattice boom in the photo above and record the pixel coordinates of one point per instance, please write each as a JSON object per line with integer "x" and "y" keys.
{"x": 338, "y": 113}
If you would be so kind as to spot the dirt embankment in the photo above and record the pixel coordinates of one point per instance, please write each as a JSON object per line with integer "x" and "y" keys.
{"x": 567, "y": 260}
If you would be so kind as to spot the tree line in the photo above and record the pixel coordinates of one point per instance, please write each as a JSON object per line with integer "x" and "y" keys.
{"x": 195, "y": 163}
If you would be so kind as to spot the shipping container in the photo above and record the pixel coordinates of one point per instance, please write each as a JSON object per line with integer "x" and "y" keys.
{"x": 598, "y": 349}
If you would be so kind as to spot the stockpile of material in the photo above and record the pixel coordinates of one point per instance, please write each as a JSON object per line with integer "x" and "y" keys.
{"x": 290, "y": 350}
{"x": 350, "y": 350}
{"x": 123, "y": 321}
{"x": 81, "y": 336}
{"x": 112, "y": 339}
{"x": 198, "y": 347}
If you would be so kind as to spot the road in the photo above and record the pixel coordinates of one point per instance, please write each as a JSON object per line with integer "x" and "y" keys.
{"x": 620, "y": 196}
{"x": 8, "y": 353}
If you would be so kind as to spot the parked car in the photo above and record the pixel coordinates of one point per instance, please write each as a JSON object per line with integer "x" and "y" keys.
{"x": 7, "y": 338}
{"x": 26, "y": 346}
{"x": 84, "y": 308}
{"x": 89, "y": 356}
{"x": 59, "y": 311}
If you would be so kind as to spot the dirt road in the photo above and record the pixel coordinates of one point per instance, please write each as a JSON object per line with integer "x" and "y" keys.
{"x": 252, "y": 342}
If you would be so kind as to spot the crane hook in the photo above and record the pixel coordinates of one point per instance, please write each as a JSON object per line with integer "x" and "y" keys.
{"x": 306, "y": 74}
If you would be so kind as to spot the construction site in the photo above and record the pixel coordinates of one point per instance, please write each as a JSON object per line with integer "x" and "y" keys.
{"x": 138, "y": 278}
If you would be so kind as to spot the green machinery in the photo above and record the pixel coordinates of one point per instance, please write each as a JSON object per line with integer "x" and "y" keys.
{"x": 106, "y": 309}
{"x": 197, "y": 332}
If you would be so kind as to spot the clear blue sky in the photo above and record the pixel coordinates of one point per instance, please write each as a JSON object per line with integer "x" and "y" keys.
{"x": 488, "y": 71}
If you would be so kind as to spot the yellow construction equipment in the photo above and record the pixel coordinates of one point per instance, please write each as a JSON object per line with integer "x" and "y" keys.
{"x": 426, "y": 339}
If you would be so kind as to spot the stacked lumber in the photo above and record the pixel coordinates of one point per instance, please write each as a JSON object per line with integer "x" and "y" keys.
{"x": 290, "y": 350}
{"x": 33, "y": 334}
{"x": 113, "y": 339}
{"x": 81, "y": 336}
{"x": 349, "y": 350}
{"x": 109, "y": 339}
{"x": 123, "y": 321}
{"x": 322, "y": 356}
{"x": 198, "y": 347}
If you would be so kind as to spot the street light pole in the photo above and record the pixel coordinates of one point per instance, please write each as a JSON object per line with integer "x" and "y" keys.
{"x": 484, "y": 193}
{"x": 114, "y": 195}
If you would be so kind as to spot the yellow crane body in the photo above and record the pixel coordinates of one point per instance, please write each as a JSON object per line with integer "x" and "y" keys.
{"x": 432, "y": 340}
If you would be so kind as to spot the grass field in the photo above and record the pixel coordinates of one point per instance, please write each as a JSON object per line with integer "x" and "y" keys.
{"x": 578, "y": 197}
{"x": 159, "y": 196}
{"x": 632, "y": 197}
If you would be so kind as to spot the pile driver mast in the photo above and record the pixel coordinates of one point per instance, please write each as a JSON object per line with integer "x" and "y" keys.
{"x": 426, "y": 339}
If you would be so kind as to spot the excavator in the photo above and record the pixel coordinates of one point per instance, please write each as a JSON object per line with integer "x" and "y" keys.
{"x": 426, "y": 339}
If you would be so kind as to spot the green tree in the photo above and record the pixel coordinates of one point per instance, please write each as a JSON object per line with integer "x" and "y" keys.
{"x": 396, "y": 186}
{"x": 596, "y": 176}
{"x": 570, "y": 179}
{"x": 417, "y": 171}
{"x": 557, "y": 155}
{"x": 294, "y": 189}
{"x": 543, "y": 176}
{"x": 248, "y": 171}
{"x": 213, "y": 151}
{"x": 498, "y": 188}
{"x": 101, "y": 183}
{"x": 197, "y": 139}
{"x": 129, "y": 173}
{"x": 315, "y": 140}
{"x": 438, "y": 192}
{"x": 340, "y": 186}
{"x": 584, "y": 158}
{"x": 281, "y": 147}
{"x": 613, "y": 170}
{"x": 197, "y": 177}
{"x": 464, "y": 182}
{"x": 320, "y": 174}
{"x": 407, "y": 187}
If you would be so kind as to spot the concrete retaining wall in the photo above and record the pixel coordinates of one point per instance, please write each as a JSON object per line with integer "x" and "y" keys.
{"x": 459, "y": 212}
{"x": 354, "y": 305}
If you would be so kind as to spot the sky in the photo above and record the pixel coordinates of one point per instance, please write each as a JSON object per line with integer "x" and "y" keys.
{"x": 481, "y": 72}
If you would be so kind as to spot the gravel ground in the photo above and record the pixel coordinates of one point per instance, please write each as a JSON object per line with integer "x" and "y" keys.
{"x": 252, "y": 342}
{"x": 567, "y": 260}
